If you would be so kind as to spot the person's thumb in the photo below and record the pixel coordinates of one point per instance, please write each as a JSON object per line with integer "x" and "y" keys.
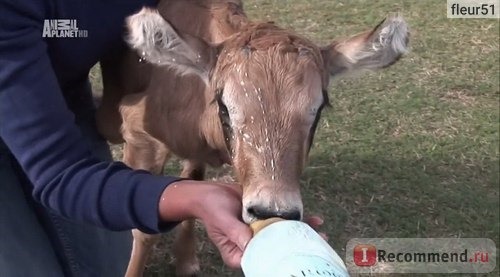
{"x": 240, "y": 234}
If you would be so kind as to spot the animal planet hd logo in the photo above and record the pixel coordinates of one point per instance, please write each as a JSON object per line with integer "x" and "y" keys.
{"x": 62, "y": 28}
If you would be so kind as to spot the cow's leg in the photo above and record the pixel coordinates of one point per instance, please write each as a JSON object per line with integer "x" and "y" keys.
{"x": 142, "y": 152}
{"x": 149, "y": 155}
{"x": 184, "y": 247}
{"x": 141, "y": 249}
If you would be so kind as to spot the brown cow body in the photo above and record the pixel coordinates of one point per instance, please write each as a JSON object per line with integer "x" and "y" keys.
{"x": 217, "y": 88}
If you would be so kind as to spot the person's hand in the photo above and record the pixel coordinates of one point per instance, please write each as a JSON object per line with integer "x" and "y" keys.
{"x": 222, "y": 220}
{"x": 315, "y": 222}
{"x": 218, "y": 206}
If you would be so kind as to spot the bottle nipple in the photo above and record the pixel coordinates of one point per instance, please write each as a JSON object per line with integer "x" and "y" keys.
{"x": 258, "y": 225}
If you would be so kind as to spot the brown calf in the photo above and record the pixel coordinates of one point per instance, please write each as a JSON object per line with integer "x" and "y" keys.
{"x": 208, "y": 85}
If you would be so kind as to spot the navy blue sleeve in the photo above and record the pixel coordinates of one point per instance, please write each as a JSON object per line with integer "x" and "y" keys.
{"x": 39, "y": 129}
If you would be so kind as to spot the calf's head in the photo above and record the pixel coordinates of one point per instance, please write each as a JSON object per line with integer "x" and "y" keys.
{"x": 269, "y": 87}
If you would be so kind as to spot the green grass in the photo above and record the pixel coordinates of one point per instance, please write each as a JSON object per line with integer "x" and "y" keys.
{"x": 411, "y": 151}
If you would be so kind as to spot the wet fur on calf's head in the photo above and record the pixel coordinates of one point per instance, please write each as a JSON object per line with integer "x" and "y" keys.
{"x": 261, "y": 43}
{"x": 267, "y": 71}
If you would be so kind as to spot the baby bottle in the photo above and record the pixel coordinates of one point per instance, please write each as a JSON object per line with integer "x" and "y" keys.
{"x": 287, "y": 248}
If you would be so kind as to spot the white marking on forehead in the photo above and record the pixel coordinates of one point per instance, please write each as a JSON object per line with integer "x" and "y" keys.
{"x": 232, "y": 99}
{"x": 266, "y": 133}
{"x": 247, "y": 139}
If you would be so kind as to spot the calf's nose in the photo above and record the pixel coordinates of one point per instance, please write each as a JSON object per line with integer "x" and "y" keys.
{"x": 261, "y": 212}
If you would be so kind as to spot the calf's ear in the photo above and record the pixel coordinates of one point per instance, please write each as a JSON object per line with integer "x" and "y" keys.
{"x": 157, "y": 42}
{"x": 377, "y": 48}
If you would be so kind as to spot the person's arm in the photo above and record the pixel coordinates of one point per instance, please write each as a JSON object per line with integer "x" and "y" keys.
{"x": 38, "y": 128}
{"x": 40, "y": 131}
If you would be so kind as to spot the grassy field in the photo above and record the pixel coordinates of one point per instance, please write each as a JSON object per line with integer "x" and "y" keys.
{"x": 411, "y": 151}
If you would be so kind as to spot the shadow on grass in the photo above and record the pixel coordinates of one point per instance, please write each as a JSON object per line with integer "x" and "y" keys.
{"x": 379, "y": 196}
